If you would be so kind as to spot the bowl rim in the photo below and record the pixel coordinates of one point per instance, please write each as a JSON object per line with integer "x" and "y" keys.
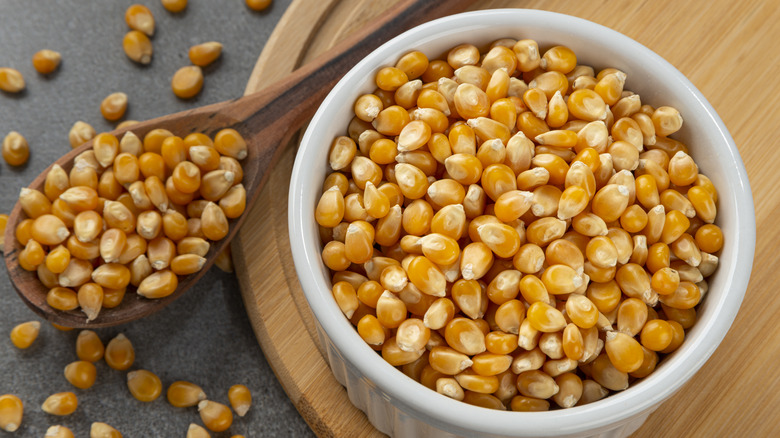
{"x": 615, "y": 409}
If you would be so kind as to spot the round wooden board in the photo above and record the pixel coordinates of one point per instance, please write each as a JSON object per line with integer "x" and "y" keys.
{"x": 285, "y": 327}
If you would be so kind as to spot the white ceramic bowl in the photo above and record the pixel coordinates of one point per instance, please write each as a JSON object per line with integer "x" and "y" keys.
{"x": 399, "y": 406}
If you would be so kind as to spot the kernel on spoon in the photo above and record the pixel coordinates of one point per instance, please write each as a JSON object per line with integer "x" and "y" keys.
{"x": 267, "y": 120}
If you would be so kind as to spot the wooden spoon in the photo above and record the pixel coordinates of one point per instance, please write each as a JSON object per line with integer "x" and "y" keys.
{"x": 266, "y": 119}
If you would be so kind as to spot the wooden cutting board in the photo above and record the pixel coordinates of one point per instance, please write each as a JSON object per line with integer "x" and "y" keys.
{"x": 727, "y": 49}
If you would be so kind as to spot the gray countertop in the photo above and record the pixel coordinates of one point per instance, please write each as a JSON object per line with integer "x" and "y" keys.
{"x": 205, "y": 336}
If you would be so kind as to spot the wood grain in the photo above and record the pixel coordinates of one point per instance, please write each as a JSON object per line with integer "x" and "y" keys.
{"x": 729, "y": 51}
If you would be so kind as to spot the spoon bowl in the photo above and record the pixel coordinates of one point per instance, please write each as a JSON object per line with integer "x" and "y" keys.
{"x": 267, "y": 120}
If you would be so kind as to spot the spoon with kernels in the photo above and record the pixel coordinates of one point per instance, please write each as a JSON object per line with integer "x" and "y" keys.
{"x": 250, "y": 131}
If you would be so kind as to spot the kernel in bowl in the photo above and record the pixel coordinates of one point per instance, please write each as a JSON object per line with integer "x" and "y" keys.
{"x": 396, "y": 404}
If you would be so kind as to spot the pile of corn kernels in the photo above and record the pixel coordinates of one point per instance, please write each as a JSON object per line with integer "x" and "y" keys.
{"x": 515, "y": 230}
{"x": 130, "y": 212}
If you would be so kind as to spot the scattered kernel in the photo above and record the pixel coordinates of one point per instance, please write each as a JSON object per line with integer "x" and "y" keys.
{"x": 16, "y": 151}
{"x": 187, "y": 82}
{"x": 24, "y": 334}
{"x": 11, "y": 80}
{"x": 46, "y": 61}
{"x": 258, "y": 5}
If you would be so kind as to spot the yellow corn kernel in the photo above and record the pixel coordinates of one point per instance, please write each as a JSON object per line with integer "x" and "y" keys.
{"x": 470, "y": 381}
{"x": 502, "y": 239}
{"x": 475, "y": 260}
{"x": 550, "y": 82}
{"x": 34, "y": 204}
{"x": 113, "y": 297}
{"x": 709, "y": 238}
{"x": 214, "y": 222}
{"x": 450, "y": 387}
{"x": 258, "y": 5}
{"x": 587, "y": 105}
{"x": 231, "y": 143}
{"x": 90, "y": 298}
{"x": 56, "y": 183}
{"x": 509, "y": 316}
{"x": 547, "y": 199}
{"x": 126, "y": 124}
{"x": 61, "y": 403}
{"x": 607, "y": 375}
{"x": 498, "y": 179}
{"x": 215, "y": 416}
{"x": 545, "y": 318}
{"x": 58, "y": 431}
{"x": 174, "y": 6}
{"x": 83, "y": 175}
{"x": 103, "y": 430}
{"x": 11, "y": 80}
{"x": 144, "y": 385}
{"x": 536, "y": 384}
{"x": 582, "y": 311}
{"x": 561, "y": 279}
{"x": 489, "y": 129}
{"x": 24, "y": 334}
{"x": 610, "y": 87}
{"x": 186, "y": 264}
{"x": 465, "y": 336}
{"x": 367, "y": 107}
{"x": 137, "y": 47}
{"x": 463, "y": 139}
{"x": 471, "y": 101}
{"x": 665, "y": 281}
{"x": 703, "y": 203}
{"x": 184, "y": 394}
{"x": 390, "y": 78}
{"x": 240, "y": 399}
{"x": 469, "y": 297}
{"x": 521, "y": 403}
{"x": 205, "y": 53}
{"x": 89, "y": 346}
{"x": 683, "y": 170}
{"x": 119, "y": 353}
{"x": 113, "y": 107}
{"x": 187, "y": 82}
{"x": 158, "y": 285}
{"x": 214, "y": 184}
{"x": 186, "y": 177}
{"x": 112, "y": 242}
{"x": 81, "y": 374}
{"x": 504, "y": 287}
{"x": 371, "y": 330}
{"x": 500, "y": 58}
{"x": 49, "y": 230}
{"x": 196, "y": 431}
{"x": 558, "y": 112}
{"x": 11, "y": 412}
{"x": 558, "y": 58}
{"x": 16, "y": 151}
{"x": 543, "y": 231}
{"x": 31, "y": 256}
{"x": 139, "y": 17}
{"x": 111, "y": 275}
{"x": 406, "y": 95}
{"x": 411, "y": 180}
{"x": 632, "y": 316}
{"x": 666, "y": 120}
{"x": 624, "y": 351}
{"x": 527, "y": 53}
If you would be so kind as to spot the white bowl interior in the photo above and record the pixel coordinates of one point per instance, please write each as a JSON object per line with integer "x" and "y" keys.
{"x": 658, "y": 83}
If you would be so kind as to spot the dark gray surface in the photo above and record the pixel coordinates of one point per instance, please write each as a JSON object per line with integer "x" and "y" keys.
{"x": 205, "y": 336}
